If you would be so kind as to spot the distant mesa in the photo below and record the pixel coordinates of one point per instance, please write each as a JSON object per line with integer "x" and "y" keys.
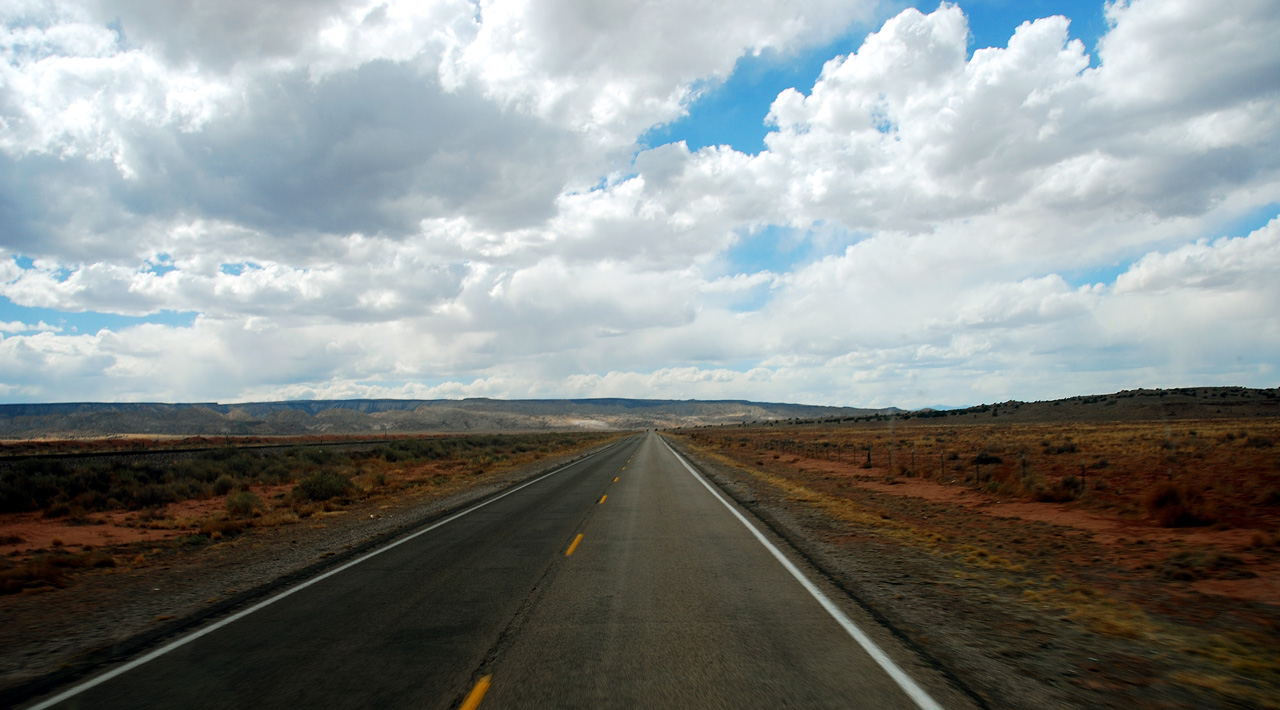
{"x": 1126, "y": 405}
{"x": 398, "y": 416}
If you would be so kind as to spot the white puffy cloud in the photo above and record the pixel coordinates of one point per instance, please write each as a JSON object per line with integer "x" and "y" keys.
{"x": 1181, "y": 56}
{"x": 71, "y": 90}
{"x": 357, "y": 280}
{"x": 1237, "y": 264}
{"x": 612, "y": 71}
{"x": 907, "y": 132}
{"x": 20, "y": 327}
{"x": 435, "y": 200}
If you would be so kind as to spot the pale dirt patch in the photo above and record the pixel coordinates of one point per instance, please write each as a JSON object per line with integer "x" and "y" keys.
{"x": 1265, "y": 587}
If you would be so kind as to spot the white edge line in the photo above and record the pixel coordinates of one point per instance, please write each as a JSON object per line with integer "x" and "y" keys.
{"x": 121, "y": 670}
{"x": 904, "y": 681}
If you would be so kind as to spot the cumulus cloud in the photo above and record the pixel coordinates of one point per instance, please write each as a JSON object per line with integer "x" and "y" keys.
{"x": 1233, "y": 264}
{"x": 906, "y": 132}
{"x": 20, "y": 327}
{"x": 612, "y": 72}
{"x": 398, "y": 199}
{"x": 387, "y": 281}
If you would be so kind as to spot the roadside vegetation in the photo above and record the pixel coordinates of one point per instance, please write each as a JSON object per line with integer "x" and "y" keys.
{"x": 1178, "y": 474}
{"x": 1158, "y": 540}
{"x": 196, "y": 498}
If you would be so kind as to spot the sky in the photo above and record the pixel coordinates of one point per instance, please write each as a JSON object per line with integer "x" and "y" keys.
{"x": 843, "y": 202}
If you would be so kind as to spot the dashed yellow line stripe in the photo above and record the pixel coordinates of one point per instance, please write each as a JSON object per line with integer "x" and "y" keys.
{"x": 606, "y": 495}
{"x": 615, "y": 479}
{"x": 477, "y": 693}
{"x": 573, "y": 545}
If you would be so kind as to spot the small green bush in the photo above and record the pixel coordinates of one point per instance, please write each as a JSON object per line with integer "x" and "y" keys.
{"x": 153, "y": 495}
{"x": 242, "y": 504}
{"x": 224, "y": 485}
{"x": 322, "y": 485}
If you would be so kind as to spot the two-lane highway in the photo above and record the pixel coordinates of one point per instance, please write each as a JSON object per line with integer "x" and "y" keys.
{"x": 622, "y": 580}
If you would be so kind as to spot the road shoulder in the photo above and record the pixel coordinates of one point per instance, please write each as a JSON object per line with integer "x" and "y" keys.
{"x": 956, "y": 628}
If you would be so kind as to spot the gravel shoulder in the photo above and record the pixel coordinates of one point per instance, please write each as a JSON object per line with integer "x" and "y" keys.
{"x": 51, "y": 638}
{"x": 1007, "y": 635}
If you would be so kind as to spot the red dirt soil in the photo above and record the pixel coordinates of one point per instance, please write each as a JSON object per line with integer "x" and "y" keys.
{"x": 38, "y": 533}
{"x": 1108, "y": 530}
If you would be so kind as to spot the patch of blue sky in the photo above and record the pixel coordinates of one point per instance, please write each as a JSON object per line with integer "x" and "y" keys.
{"x": 992, "y": 22}
{"x": 732, "y": 112}
{"x": 780, "y": 249}
{"x": 160, "y": 265}
{"x": 239, "y": 268}
{"x": 709, "y": 361}
{"x": 605, "y": 182}
{"x": 73, "y": 323}
{"x": 1239, "y": 226}
{"x": 1103, "y": 274}
{"x": 25, "y": 262}
{"x": 774, "y": 248}
{"x": 1251, "y": 221}
{"x": 752, "y": 300}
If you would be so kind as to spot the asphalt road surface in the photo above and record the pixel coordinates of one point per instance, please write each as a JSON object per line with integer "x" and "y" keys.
{"x": 620, "y": 581}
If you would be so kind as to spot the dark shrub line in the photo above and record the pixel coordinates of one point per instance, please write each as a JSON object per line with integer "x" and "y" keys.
{"x": 61, "y": 487}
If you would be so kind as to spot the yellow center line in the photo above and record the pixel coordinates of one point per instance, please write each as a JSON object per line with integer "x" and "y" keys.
{"x": 573, "y": 545}
{"x": 477, "y": 694}
{"x": 606, "y": 495}
{"x": 615, "y": 479}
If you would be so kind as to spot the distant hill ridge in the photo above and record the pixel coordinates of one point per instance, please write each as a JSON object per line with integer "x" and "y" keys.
{"x": 375, "y": 416}
{"x": 1126, "y": 405}
{"x": 348, "y": 416}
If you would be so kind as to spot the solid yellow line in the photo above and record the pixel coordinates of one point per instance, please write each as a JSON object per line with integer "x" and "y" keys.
{"x": 477, "y": 694}
{"x": 606, "y": 495}
{"x": 573, "y": 545}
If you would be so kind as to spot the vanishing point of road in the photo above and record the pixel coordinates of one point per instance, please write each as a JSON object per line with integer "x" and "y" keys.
{"x": 623, "y": 580}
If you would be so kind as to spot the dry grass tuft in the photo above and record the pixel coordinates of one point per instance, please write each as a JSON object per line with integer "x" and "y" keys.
{"x": 1065, "y": 490}
{"x": 222, "y": 528}
{"x": 1191, "y": 565}
{"x": 1177, "y": 505}
{"x": 50, "y": 571}
{"x": 243, "y": 504}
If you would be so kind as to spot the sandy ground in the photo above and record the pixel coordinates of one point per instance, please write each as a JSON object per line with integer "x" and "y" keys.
{"x": 24, "y": 533}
